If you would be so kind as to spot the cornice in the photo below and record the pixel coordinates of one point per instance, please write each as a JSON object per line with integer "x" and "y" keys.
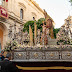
{"x": 36, "y": 5}
{"x": 16, "y": 19}
{"x": 21, "y": 4}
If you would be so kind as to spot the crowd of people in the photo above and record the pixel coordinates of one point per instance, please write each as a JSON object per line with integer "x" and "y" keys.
{"x": 5, "y": 64}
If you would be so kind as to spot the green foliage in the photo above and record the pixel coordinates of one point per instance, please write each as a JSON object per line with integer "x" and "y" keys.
{"x": 26, "y": 26}
{"x": 10, "y": 46}
{"x": 70, "y": 2}
{"x": 39, "y": 23}
{"x": 31, "y": 23}
{"x": 56, "y": 31}
{"x": 39, "y": 26}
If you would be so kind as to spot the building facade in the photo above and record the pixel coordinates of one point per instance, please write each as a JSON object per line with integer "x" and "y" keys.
{"x": 17, "y": 12}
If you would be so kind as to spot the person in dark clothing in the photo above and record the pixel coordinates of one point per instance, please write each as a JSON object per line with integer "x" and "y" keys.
{"x": 2, "y": 56}
{"x": 8, "y": 66}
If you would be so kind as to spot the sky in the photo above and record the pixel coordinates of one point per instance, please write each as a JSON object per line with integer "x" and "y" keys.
{"x": 58, "y": 10}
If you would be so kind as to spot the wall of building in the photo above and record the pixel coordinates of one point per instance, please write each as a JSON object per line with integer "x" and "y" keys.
{"x": 29, "y": 10}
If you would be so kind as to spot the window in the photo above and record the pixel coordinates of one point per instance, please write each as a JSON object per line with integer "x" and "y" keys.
{"x": 33, "y": 18}
{"x": 34, "y": 15}
{"x": 21, "y": 14}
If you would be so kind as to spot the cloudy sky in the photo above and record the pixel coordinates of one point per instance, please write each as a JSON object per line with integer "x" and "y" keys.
{"x": 59, "y": 10}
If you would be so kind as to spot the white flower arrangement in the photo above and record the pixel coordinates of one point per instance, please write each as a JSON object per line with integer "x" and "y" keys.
{"x": 10, "y": 45}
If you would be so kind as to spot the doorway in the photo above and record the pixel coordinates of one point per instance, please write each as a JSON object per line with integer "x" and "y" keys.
{"x": 1, "y": 39}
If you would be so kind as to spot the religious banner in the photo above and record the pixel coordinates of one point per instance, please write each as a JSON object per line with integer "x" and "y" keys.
{"x": 3, "y": 12}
